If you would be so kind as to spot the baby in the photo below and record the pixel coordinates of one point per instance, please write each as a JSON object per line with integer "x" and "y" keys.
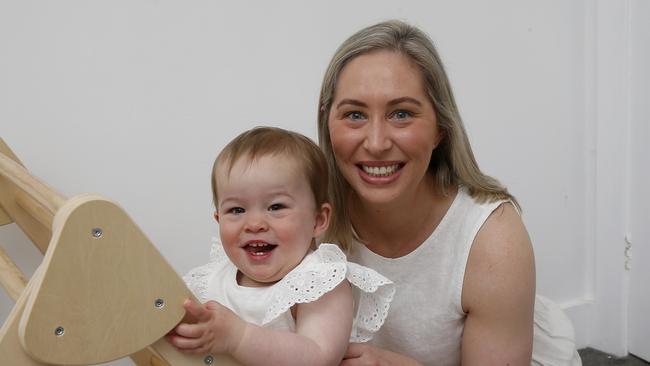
{"x": 270, "y": 295}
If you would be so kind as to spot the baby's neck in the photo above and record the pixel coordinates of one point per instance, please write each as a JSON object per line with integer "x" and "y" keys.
{"x": 245, "y": 281}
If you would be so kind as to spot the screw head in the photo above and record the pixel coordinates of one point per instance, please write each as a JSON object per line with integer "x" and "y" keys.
{"x": 59, "y": 331}
{"x": 159, "y": 303}
{"x": 97, "y": 233}
{"x": 208, "y": 360}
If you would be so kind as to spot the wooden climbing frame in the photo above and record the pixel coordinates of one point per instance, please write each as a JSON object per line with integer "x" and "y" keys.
{"x": 102, "y": 291}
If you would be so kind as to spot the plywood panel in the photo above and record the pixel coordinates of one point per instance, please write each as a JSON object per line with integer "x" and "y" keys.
{"x": 100, "y": 289}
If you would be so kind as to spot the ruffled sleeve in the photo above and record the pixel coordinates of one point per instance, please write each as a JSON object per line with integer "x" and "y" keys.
{"x": 197, "y": 279}
{"x": 319, "y": 273}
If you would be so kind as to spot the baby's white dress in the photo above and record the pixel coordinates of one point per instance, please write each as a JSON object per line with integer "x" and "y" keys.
{"x": 318, "y": 273}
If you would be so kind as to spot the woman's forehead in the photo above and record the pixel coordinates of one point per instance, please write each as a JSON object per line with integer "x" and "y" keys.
{"x": 379, "y": 74}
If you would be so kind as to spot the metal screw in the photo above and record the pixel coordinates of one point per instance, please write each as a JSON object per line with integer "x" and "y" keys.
{"x": 159, "y": 303}
{"x": 97, "y": 233}
{"x": 208, "y": 360}
{"x": 59, "y": 331}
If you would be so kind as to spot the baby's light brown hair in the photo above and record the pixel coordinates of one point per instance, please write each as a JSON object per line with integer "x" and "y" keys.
{"x": 264, "y": 141}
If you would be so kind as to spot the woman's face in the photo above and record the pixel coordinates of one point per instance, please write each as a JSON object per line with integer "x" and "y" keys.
{"x": 383, "y": 127}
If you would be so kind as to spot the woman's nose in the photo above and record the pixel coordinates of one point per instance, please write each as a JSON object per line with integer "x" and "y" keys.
{"x": 378, "y": 137}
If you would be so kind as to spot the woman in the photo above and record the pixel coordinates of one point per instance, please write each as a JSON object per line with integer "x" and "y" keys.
{"x": 412, "y": 203}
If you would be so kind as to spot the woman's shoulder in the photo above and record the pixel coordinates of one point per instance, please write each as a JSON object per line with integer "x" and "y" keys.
{"x": 501, "y": 253}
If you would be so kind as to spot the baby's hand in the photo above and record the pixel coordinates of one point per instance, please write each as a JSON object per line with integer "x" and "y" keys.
{"x": 214, "y": 329}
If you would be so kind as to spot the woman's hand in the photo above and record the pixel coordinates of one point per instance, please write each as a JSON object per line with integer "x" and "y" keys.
{"x": 211, "y": 328}
{"x": 362, "y": 354}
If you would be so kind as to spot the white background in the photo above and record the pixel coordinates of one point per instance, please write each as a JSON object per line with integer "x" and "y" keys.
{"x": 134, "y": 99}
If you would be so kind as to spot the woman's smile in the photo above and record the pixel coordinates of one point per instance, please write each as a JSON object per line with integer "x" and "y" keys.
{"x": 379, "y": 172}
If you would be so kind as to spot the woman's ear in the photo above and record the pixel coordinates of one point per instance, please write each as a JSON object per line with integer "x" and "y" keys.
{"x": 440, "y": 135}
{"x": 216, "y": 215}
{"x": 323, "y": 215}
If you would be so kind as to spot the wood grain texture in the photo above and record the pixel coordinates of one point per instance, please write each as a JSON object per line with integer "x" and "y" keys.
{"x": 176, "y": 358}
{"x": 39, "y": 191}
{"x": 104, "y": 315}
{"x": 11, "y": 278}
{"x": 102, "y": 291}
{"x": 11, "y": 351}
{"x": 4, "y": 149}
{"x": 10, "y": 210}
{"x": 148, "y": 357}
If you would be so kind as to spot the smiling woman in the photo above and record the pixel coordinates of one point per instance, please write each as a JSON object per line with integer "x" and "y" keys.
{"x": 383, "y": 122}
{"x": 411, "y": 202}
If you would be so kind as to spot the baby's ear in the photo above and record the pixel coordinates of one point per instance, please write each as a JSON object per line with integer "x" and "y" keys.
{"x": 323, "y": 215}
{"x": 216, "y": 215}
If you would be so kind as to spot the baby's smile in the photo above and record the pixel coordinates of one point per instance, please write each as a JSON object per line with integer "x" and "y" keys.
{"x": 258, "y": 248}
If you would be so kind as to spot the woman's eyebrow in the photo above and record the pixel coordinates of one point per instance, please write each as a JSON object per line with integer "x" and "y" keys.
{"x": 351, "y": 102}
{"x": 405, "y": 100}
{"x": 390, "y": 103}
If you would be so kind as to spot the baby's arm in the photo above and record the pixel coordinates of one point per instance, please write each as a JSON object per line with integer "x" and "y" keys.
{"x": 322, "y": 333}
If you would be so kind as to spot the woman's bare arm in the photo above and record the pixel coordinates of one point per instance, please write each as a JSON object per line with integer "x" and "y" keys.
{"x": 499, "y": 293}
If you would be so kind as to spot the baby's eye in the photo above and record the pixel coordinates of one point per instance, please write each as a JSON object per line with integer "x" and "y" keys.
{"x": 276, "y": 207}
{"x": 236, "y": 210}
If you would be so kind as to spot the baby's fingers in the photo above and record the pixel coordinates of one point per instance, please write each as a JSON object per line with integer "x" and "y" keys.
{"x": 185, "y": 344}
{"x": 190, "y": 330}
{"x": 196, "y": 310}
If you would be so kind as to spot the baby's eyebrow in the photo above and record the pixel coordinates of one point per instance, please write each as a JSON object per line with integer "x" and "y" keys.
{"x": 278, "y": 194}
{"x": 229, "y": 200}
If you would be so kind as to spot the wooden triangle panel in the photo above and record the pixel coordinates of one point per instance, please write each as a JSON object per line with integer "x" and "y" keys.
{"x": 105, "y": 291}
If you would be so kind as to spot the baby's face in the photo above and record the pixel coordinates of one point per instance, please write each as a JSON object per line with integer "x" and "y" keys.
{"x": 267, "y": 217}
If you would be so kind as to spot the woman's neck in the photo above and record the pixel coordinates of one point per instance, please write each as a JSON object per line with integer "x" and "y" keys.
{"x": 395, "y": 229}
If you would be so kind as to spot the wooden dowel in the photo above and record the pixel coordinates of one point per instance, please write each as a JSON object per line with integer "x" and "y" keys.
{"x": 32, "y": 186}
{"x": 155, "y": 359}
{"x": 34, "y": 209}
{"x": 148, "y": 357}
{"x": 11, "y": 278}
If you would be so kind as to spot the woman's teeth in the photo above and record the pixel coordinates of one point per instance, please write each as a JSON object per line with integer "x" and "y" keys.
{"x": 377, "y": 171}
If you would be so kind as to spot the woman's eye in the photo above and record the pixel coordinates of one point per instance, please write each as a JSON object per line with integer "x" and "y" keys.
{"x": 276, "y": 207}
{"x": 355, "y": 116}
{"x": 236, "y": 210}
{"x": 401, "y": 114}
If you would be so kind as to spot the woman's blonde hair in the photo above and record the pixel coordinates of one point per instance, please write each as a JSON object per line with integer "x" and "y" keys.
{"x": 452, "y": 161}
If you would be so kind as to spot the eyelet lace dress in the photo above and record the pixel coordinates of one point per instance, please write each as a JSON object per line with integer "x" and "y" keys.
{"x": 319, "y": 272}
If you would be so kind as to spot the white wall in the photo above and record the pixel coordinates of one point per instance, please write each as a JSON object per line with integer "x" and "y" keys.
{"x": 133, "y": 99}
{"x": 638, "y": 230}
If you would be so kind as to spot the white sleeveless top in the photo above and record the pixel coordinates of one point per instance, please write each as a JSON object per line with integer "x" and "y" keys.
{"x": 318, "y": 273}
{"x": 426, "y": 319}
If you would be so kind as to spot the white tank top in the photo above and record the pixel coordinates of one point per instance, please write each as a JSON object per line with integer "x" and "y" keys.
{"x": 426, "y": 319}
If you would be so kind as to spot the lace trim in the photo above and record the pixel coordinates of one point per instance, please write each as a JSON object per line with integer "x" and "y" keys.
{"x": 197, "y": 278}
{"x": 319, "y": 273}
{"x": 309, "y": 281}
{"x": 303, "y": 285}
{"x": 377, "y": 292}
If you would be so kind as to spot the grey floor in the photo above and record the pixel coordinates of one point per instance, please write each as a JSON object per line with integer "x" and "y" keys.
{"x": 592, "y": 357}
